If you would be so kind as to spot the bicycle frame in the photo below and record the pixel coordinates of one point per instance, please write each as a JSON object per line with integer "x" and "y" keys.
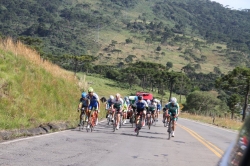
{"x": 92, "y": 119}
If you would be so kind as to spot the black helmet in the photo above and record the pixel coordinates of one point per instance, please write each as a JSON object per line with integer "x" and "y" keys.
{"x": 139, "y": 97}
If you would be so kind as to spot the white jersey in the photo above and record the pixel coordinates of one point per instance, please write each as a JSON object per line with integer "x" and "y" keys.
{"x": 118, "y": 103}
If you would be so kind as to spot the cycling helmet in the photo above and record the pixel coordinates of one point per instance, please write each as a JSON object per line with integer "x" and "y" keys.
{"x": 90, "y": 89}
{"x": 173, "y": 100}
{"x": 84, "y": 94}
{"x": 140, "y": 97}
{"x": 125, "y": 98}
{"x": 111, "y": 97}
{"x": 148, "y": 101}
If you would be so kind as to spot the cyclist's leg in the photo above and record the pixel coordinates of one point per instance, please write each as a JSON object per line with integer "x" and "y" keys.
{"x": 125, "y": 115}
{"x": 118, "y": 119}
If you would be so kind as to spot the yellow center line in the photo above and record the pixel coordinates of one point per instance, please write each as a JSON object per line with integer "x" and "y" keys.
{"x": 215, "y": 147}
{"x": 218, "y": 152}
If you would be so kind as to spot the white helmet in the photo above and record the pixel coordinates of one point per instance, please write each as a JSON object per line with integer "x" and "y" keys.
{"x": 111, "y": 97}
{"x": 148, "y": 101}
{"x": 118, "y": 95}
{"x": 173, "y": 100}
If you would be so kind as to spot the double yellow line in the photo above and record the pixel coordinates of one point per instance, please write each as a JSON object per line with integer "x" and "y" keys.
{"x": 218, "y": 152}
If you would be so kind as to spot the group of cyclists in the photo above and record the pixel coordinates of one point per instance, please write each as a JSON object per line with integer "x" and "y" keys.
{"x": 117, "y": 107}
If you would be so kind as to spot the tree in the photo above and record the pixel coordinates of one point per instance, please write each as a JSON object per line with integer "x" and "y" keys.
{"x": 201, "y": 102}
{"x": 237, "y": 81}
{"x": 232, "y": 102}
{"x": 158, "y": 48}
{"x": 148, "y": 41}
{"x": 169, "y": 65}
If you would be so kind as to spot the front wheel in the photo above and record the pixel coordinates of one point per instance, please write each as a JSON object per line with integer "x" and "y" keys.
{"x": 169, "y": 129}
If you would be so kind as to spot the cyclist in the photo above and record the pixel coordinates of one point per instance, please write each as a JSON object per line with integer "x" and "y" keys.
{"x": 165, "y": 113}
{"x": 152, "y": 108}
{"x": 158, "y": 103}
{"x": 93, "y": 103}
{"x": 117, "y": 106}
{"x": 82, "y": 106}
{"x": 141, "y": 106}
{"x": 125, "y": 109}
{"x": 172, "y": 109}
{"x": 108, "y": 104}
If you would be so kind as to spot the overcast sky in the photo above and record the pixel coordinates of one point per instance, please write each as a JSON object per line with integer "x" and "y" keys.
{"x": 235, "y": 4}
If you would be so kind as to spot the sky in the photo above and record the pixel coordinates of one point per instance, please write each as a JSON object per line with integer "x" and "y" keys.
{"x": 235, "y": 4}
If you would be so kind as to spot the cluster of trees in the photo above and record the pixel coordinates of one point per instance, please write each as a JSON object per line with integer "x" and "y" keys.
{"x": 211, "y": 20}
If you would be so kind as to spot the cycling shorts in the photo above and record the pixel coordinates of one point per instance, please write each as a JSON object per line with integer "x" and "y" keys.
{"x": 139, "y": 111}
{"x": 173, "y": 114}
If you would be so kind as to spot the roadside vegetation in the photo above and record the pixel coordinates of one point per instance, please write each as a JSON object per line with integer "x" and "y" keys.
{"x": 33, "y": 91}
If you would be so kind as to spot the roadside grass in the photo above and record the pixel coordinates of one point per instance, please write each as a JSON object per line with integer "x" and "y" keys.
{"x": 220, "y": 122}
{"x": 34, "y": 91}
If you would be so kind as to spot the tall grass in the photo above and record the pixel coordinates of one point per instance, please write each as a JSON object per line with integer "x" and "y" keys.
{"x": 220, "y": 122}
{"x": 32, "y": 90}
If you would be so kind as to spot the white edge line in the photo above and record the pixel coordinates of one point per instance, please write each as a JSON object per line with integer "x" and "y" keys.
{"x": 37, "y": 136}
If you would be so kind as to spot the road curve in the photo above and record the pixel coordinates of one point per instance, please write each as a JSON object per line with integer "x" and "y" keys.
{"x": 194, "y": 144}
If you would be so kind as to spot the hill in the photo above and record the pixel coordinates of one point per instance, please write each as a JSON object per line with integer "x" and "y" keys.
{"x": 201, "y": 33}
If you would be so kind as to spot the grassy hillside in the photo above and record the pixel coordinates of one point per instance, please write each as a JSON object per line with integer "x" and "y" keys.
{"x": 33, "y": 91}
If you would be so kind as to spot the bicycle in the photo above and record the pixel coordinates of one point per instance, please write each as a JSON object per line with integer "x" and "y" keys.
{"x": 132, "y": 118}
{"x": 149, "y": 119}
{"x": 139, "y": 123}
{"x": 164, "y": 119}
{"x": 114, "y": 123}
{"x": 110, "y": 116}
{"x": 92, "y": 120}
{"x": 170, "y": 123}
{"x": 83, "y": 117}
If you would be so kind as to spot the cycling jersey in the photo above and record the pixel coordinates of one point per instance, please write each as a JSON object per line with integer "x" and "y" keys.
{"x": 118, "y": 103}
{"x": 158, "y": 106}
{"x": 152, "y": 107}
{"x": 84, "y": 102}
{"x": 109, "y": 103}
{"x": 173, "y": 109}
{"x": 93, "y": 100}
{"x": 140, "y": 105}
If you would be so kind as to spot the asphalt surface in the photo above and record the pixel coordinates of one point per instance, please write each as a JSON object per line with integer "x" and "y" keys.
{"x": 194, "y": 144}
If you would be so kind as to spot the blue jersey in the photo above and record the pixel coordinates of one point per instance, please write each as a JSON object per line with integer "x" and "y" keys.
{"x": 158, "y": 106}
{"x": 141, "y": 105}
{"x": 93, "y": 100}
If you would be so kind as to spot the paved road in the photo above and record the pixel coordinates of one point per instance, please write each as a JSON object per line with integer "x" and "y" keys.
{"x": 194, "y": 144}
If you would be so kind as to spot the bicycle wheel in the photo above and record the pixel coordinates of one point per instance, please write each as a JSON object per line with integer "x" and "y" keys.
{"x": 91, "y": 127}
{"x": 121, "y": 121}
{"x": 149, "y": 122}
{"x": 169, "y": 129}
{"x": 87, "y": 128}
{"x": 114, "y": 123}
{"x": 165, "y": 123}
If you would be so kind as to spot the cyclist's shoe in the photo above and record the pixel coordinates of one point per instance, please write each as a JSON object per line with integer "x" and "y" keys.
{"x": 135, "y": 129}
{"x": 88, "y": 126}
{"x": 172, "y": 133}
{"x": 87, "y": 119}
{"x": 117, "y": 127}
